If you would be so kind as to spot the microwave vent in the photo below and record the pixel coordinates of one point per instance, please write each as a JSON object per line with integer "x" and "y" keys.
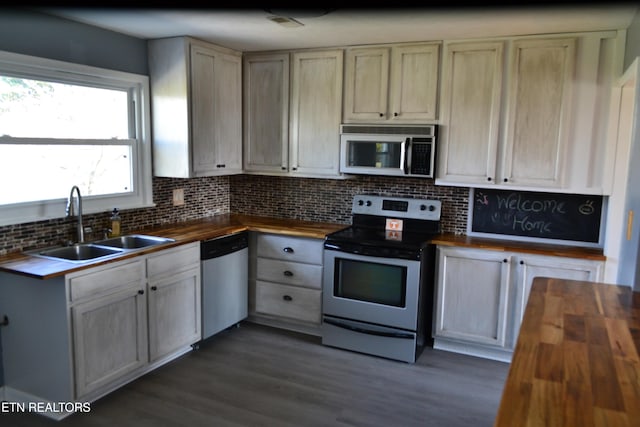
{"x": 426, "y": 130}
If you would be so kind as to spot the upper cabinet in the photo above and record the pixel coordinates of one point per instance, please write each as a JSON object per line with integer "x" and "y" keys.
{"x": 266, "y": 113}
{"x": 391, "y": 84}
{"x": 293, "y": 110}
{"x": 526, "y": 113}
{"x": 196, "y": 103}
{"x": 316, "y": 107}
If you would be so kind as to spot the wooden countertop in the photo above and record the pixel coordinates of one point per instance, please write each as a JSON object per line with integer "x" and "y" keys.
{"x": 519, "y": 246}
{"x": 184, "y": 232}
{"x": 576, "y": 360}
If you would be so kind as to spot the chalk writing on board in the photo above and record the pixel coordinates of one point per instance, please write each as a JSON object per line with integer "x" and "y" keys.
{"x": 543, "y": 215}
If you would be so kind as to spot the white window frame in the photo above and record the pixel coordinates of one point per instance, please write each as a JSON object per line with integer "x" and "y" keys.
{"x": 142, "y": 196}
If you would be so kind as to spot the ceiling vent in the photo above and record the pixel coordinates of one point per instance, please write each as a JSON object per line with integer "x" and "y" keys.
{"x": 285, "y": 21}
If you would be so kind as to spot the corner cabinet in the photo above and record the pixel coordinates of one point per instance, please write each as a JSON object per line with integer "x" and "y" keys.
{"x": 293, "y": 107}
{"x": 515, "y": 112}
{"x": 196, "y": 103}
{"x": 482, "y": 294}
{"x": 391, "y": 84}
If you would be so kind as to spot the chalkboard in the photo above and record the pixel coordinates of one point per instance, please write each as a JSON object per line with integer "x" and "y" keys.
{"x": 572, "y": 217}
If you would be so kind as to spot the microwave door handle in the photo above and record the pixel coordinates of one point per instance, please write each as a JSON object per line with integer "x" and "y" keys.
{"x": 406, "y": 152}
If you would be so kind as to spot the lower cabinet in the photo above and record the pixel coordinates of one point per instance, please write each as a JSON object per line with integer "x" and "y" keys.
{"x": 174, "y": 300}
{"x": 78, "y": 337}
{"x": 482, "y": 294}
{"x": 473, "y": 291}
{"x": 110, "y": 339}
{"x": 285, "y": 278}
{"x": 136, "y": 313}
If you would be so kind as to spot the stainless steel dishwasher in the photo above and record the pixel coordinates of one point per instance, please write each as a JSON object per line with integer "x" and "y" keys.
{"x": 225, "y": 282}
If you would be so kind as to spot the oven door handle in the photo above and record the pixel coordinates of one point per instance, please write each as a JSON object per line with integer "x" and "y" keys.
{"x": 368, "y": 331}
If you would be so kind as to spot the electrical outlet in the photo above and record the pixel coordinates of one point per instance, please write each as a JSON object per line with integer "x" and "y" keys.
{"x": 178, "y": 197}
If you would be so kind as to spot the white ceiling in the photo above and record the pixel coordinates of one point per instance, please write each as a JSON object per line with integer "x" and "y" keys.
{"x": 247, "y": 29}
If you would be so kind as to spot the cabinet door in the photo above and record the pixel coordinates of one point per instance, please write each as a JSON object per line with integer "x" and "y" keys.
{"x": 550, "y": 266}
{"x": 316, "y": 103}
{"x": 470, "y": 112}
{"x": 414, "y": 82}
{"x": 539, "y": 116}
{"x": 366, "y": 84}
{"x": 473, "y": 287}
{"x": 174, "y": 313}
{"x": 266, "y": 113}
{"x": 216, "y": 107}
{"x": 110, "y": 338}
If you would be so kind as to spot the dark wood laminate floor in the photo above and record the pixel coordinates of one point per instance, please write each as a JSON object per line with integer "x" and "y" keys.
{"x": 259, "y": 376}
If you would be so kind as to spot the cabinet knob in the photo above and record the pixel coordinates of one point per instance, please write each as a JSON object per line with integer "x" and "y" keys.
{"x": 505, "y": 260}
{"x": 488, "y": 178}
{"x": 154, "y": 288}
{"x": 395, "y": 114}
{"x": 295, "y": 169}
{"x": 141, "y": 292}
{"x": 287, "y": 298}
{"x": 506, "y": 180}
{"x": 521, "y": 262}
{"x": 288, "y": 273}
{"x": 288, "y": 250}
{"x": 284, "y": 168}
{"x": 381, "y": 114}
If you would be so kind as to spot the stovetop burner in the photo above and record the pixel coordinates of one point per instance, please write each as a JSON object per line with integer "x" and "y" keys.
{"x": 388, "y": 226}
{"x": 381, "y": 237}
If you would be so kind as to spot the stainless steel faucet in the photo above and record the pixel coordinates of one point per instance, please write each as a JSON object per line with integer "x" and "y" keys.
{"x": 71, "y": 213}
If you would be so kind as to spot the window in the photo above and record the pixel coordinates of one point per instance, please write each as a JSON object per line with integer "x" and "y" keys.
{"x": 64, "y": 124}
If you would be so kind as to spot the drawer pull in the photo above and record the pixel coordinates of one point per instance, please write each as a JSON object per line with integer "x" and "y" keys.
{"x": 288, "y": 250}
{"x": 154, "y": 288}
{"x": 288, "y": 273}
{"x": 141, "y": 292}
{"x": 287, "y": 298}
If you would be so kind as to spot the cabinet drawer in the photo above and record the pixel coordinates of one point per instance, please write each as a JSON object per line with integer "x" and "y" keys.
{"x": 288, "y": 301}
{"x": 106, "y": 281}
{"x": 171, "y": 261}
{"x": 289, "y": 273}
{"x": 290, "y": 248}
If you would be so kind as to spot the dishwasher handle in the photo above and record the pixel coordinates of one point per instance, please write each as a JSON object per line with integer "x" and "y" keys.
{"x": 221, "y": 246}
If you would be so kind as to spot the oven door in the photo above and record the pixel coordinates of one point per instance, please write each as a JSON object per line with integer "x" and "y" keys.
{"x": 382, "y": 291}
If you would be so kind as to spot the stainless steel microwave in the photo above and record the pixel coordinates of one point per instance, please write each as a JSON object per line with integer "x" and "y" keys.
{"x": 388, "y": 150}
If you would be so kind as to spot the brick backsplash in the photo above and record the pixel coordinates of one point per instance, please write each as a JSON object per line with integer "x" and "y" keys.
{"x": 313, "y": 199}
{"x": 329, "y": 200}
{"x": 203, "y": 197}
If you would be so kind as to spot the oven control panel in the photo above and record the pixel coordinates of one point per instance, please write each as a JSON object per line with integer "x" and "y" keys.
{"x": 397, "y": 207}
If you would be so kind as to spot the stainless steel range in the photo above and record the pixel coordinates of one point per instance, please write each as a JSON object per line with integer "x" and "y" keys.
{"x": 378, "y": 278}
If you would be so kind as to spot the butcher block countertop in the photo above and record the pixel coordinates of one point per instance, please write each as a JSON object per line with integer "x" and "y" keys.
{"x": 184, "y": 232}
{"x": 576, "y": 360}
{"x": 519, "y": 246}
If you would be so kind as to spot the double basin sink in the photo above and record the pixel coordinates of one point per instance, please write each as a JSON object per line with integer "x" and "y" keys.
{"x": 101, "y": 249}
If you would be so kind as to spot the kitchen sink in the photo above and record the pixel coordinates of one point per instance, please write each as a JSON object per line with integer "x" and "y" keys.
{"x": 78, "y": 252}
{"x": 134, "y": 241}
{"x": 107, "y": 248}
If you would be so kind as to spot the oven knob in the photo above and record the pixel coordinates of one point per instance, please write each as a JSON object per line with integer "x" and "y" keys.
{"x": 368, "y": 202}
{"x": 360, "y": 202}
{"x": 423, "y": 207}
{"x": 432, "y": 208}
